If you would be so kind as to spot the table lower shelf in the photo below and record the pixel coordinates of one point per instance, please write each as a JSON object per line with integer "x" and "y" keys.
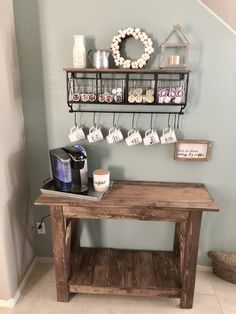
{"x": 124, "y": 272}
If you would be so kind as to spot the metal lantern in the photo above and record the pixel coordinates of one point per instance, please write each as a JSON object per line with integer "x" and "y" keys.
{"x": 175, "y": 54}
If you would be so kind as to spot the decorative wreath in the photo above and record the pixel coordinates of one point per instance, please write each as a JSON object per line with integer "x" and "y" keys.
{"x": 138, "y": 35}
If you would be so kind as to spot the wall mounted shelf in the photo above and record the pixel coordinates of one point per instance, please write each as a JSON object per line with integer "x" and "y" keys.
{"x": 162, "y": 91}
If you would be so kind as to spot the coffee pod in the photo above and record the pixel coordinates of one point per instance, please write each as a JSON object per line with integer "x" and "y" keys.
{"x": 138, "y": 91}
{"x": 76, "y": 96}
{"x": 167, "y": 99}
{"x": 177, "y": 100}
{"x": 84, "y": 97}
{"x": 179, "y": 92}
{"x": 92, "y": 97}
{"x": 172, "y": 92}
{"x": 139, "y": 99}
{"x": 109, "y": 98}
{"x": 150, "y": 92}
{"x": 131, "y": 98}
{"x": 144, "y": 98}
{"x": 118, "y": 98}
{"x": 162, "y": 92}
{"x": 150, "y": 99}
{"x": 101, "y": 98}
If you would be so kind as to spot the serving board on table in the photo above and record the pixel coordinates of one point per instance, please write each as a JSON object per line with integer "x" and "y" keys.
{"x": 49, "y": 189}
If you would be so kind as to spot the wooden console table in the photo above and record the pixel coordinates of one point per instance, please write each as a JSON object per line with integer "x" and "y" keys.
{"x": 130, "y": 272}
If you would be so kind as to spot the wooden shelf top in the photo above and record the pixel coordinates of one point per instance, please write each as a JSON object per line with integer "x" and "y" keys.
{"x": 138, "y": 71}
{"x": 125, "y": 272}
{"x": 138, "y": 198}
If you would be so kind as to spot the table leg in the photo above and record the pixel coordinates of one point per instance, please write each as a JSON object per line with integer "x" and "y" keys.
{"x": 60, "y": 254}
{"x": 190, "y": 245}
{"x": 178, "y": 248}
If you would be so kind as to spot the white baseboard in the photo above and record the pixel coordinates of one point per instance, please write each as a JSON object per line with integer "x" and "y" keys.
{"x": 12, "y": 302}
{"x": 204, "y": 268}
{"x": 40, "y": 259}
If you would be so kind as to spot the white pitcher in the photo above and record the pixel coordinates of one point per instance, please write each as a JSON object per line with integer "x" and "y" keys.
{"x": 79, "y": 52}
{"x": 100, "y": 58}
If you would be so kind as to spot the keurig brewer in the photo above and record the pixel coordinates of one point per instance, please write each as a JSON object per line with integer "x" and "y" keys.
{"x": 69, "y": 169}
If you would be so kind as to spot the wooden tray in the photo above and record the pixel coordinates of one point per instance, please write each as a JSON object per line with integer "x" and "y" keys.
{"x": 49, "y": 189}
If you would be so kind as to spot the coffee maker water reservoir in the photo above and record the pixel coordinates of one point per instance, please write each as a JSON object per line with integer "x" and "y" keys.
{"x": 69, "y": 169}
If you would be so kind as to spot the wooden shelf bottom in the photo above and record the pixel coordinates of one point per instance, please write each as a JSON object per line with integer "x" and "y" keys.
{"x": 124, "y": 272}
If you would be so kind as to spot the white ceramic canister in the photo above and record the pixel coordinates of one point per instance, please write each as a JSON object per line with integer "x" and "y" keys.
{"x": 79, "y": 52}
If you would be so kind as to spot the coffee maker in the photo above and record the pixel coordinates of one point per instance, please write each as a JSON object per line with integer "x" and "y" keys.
{"x": 69, "y": 169}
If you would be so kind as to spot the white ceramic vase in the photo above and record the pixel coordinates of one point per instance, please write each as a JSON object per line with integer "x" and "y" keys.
{"x": 79, "y": 52}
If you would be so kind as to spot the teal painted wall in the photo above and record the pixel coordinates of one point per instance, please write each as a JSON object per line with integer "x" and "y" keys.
{"x": 45, "y": 32}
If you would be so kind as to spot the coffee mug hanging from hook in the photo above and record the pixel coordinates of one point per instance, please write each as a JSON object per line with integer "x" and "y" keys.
{"x": 151, "y": 136}
{"x": 76, "y": 133}
{"x": 133, "y": 136}
{"x": 168, "y": 134}
{"x": 115, "y": 135}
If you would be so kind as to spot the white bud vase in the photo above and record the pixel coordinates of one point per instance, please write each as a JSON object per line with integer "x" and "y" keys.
{"x": 79, "y": 52}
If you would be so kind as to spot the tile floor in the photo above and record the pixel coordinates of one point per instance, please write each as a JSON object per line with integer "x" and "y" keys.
{"x": 212, "y": 296}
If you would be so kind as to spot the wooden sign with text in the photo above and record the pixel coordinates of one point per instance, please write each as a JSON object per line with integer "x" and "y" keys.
{"x": 197, "y": 150}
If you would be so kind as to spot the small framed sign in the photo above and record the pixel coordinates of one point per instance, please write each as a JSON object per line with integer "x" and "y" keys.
{"x": 197, "y": 150}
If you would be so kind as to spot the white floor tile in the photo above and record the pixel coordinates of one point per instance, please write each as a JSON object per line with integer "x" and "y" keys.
{"x": 203, "y": 283}
{"x": 228, "y": 304}
{"x": 226, "y": 294}
{"x": 43, "y": 274}
{"x": 39, "y": 297}
{"x": 203, "y": 304}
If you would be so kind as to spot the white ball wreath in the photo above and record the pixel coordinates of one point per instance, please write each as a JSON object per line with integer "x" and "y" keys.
{"x": 138, "y": 35}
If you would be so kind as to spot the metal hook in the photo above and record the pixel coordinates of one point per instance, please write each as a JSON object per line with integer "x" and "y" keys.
{"x": 75, "y": 118}
{"x": 151, "y": 121}
{"x": 94, "y": 113}
{"x": 178, "y": 122}
{"x": 175, "y": 121}
{"x": 133, "y": 121}
{"x": 169, "y": 120}
{"x": 114, "y": 117}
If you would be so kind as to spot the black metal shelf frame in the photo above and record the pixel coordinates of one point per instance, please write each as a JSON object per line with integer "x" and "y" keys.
{"x": 161, "y": 78}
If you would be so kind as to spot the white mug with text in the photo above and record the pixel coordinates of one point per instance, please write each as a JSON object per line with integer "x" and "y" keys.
{"x": 168, "y": 136}
{"x": 95, "y": 134}
{"x": 151, "y": 137}
{"x": 114, "y": 135}
{"x": 133, "y": 138}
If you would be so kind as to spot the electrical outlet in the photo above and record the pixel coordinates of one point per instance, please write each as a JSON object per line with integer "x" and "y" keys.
{"x": 42, "y": 230}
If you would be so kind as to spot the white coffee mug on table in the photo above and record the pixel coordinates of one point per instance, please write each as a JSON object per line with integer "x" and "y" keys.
{"x": 168, "y": 136}
{"x": 151, "y": 137}
{"x": 95, "y": 134}
{"x": 76, "y": 134}
{"x": 133, "y": 138}
{"x": 101, "y": 180}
